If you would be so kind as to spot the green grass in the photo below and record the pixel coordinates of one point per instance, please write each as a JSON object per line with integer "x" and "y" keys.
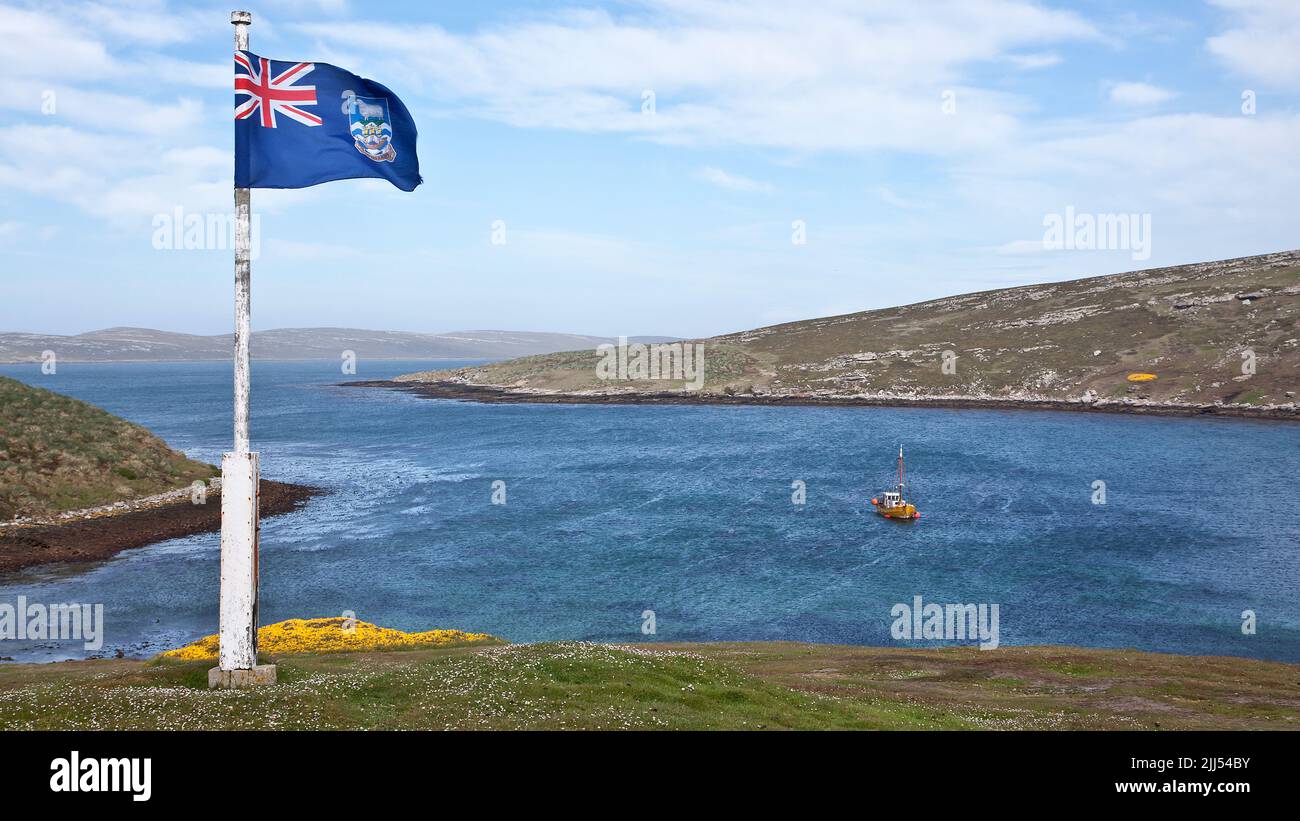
{"x": 58, "y": 453}
{"x": 770, "y": 686}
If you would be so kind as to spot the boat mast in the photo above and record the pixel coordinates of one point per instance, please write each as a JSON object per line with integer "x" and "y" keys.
{"x": 900, "y": 472}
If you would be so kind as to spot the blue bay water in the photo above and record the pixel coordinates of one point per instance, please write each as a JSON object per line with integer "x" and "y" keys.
{"x": 686, "y": 511}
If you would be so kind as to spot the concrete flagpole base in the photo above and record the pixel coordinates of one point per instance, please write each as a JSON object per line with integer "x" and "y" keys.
{"x": 237, "y": 665}
{"x": 219, "y": 679}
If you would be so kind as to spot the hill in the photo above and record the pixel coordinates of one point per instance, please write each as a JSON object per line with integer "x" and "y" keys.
{"x": 756, "y": 686}
{"x": 146, "y": 345}
{"x": 1214, "y": 334}
{"x": 58, "y": 453}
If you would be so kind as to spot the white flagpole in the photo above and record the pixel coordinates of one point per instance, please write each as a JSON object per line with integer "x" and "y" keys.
{"x": 237, "y": 666}
{"x": 241, "y": 20}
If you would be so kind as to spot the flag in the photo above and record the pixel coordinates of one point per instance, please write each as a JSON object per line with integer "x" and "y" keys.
{"x": 301, "y": 124}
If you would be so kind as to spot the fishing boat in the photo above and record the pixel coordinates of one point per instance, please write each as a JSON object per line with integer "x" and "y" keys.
{"x": 892, "y": 505}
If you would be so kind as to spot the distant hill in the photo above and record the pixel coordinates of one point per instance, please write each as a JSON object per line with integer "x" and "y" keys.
{"x": 146, "y": 345}
{"x": 58, "y": 453}
{"x": 1197, "y": 328}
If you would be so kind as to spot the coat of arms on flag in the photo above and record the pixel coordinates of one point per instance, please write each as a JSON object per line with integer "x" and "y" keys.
{"x": 288, "y": 134}
{"x": 371, "y": 132}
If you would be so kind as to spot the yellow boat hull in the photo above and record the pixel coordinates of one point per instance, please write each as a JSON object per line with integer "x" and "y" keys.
{"x": 898, "y": 512}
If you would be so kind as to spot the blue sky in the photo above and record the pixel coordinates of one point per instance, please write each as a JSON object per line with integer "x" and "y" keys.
{"x": 619, "y": 221}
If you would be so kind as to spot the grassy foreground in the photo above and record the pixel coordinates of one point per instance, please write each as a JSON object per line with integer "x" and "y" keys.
{"x": 665, "y": 686}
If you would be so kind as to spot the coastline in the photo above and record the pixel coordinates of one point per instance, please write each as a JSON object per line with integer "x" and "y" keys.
{"x": 101, "y": 533}
{"x": 495, "y": 394}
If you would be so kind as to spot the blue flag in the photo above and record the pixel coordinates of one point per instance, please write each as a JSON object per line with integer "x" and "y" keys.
{"x": 301, "y": 124}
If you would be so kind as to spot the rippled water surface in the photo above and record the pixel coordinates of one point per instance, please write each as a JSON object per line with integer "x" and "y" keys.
{"x": 687, "y": 511}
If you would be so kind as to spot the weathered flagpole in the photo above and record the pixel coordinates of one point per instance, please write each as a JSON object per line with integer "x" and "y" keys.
{"x": 237, "y": 666}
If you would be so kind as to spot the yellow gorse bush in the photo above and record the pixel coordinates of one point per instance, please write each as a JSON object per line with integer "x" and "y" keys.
{"x": 331, "y": 635}
{"x": 1141, "y": 377}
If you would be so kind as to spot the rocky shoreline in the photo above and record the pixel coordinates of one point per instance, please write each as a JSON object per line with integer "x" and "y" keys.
{"x": 496, "y": 394}
{"x": 100, "y": 533}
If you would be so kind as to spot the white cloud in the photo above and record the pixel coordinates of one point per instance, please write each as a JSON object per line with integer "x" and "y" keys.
{"x": 1139, "y": 94}
{"x": 44, "y": 47}
{"x": 1034, "y": 61}
{"x": 843, "y": 78}
{"x": 101, "y": 128}
{"x": 733, "y": 182}
{"x": 142, "y": 21}
{"x": 309, "y": 251}
{"x": 1264, "y": 45}
{"x": 14, "y": 234}
{"x": 1214, "y": 186}
{"x": 122, "y": 179}
{"x": 1021, "y": 246}
{"x": 77, "y": 45}
{"x": 848, "y": 76}
{"x": 181, "y": 72}
{"x": 326, "y": 6}
{"x": 889, "y": 197}
{"x": 110, "y": 112}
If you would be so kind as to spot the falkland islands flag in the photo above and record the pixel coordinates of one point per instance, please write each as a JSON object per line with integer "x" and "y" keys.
{"x": 301, "y": 124}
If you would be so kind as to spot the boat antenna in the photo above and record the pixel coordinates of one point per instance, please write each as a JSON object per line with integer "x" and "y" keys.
{"x": 900, "y": 471}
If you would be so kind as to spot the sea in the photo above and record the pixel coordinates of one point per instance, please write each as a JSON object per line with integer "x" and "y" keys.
{"x": 643, "y": 523}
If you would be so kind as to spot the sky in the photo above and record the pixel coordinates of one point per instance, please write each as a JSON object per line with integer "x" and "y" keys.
{"x": 676, "y": 167}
